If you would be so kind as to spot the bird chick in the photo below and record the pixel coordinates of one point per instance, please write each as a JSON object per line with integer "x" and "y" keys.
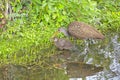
{"x": 63, "y": 44}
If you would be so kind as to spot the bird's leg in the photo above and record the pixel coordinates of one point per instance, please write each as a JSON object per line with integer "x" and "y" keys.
{"x": 75, "y": 41}
{"x": 92, "y": 41}
{"x": 86, "y": 48}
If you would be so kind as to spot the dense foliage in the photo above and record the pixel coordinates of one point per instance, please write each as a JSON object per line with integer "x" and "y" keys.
{"x": 31, "y": 23}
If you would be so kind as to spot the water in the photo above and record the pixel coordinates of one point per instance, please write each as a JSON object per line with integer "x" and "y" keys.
{"x": 102, "y": 62}
{"x": 112, "y": 69}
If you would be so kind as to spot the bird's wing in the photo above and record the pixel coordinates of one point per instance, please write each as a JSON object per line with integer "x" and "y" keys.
{"x": 62, "y": 42}
{"x": 82, "y": 31}
{"x": 65, "y": 43}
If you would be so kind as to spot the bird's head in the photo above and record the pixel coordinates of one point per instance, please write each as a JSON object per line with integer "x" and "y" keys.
{"x": 62, "y": 29}
{"x": 55, "y": 39}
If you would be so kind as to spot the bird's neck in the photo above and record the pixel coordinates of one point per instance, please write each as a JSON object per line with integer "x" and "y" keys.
{"x": 66, "y": 33}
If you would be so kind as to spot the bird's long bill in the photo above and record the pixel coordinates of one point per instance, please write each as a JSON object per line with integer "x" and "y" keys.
{"x": 55, "y": 34}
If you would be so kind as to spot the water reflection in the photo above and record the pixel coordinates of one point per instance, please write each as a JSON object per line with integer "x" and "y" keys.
{"x": 75, "y": 68}
{"x": 81, "y": 70}
{"x": 103, "y": 53}
{"x": 30, "y": 72}
{"x": 13, "y": 72}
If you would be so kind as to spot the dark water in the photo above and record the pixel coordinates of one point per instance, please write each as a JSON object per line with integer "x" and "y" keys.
{"x": 99, "y": 61}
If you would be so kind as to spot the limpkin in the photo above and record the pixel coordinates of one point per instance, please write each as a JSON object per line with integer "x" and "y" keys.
{"x": 81, "y": 30}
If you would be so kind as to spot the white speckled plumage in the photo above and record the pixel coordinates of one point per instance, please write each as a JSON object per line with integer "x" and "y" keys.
{"x": 81, "y": 30}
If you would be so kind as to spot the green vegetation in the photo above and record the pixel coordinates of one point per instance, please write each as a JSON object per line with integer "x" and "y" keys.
{"x": 31, "y": 23}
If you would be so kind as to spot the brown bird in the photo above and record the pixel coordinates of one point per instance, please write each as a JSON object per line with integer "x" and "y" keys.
{"x": 63, "y": 44}
{"x": 81, "y": 30}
